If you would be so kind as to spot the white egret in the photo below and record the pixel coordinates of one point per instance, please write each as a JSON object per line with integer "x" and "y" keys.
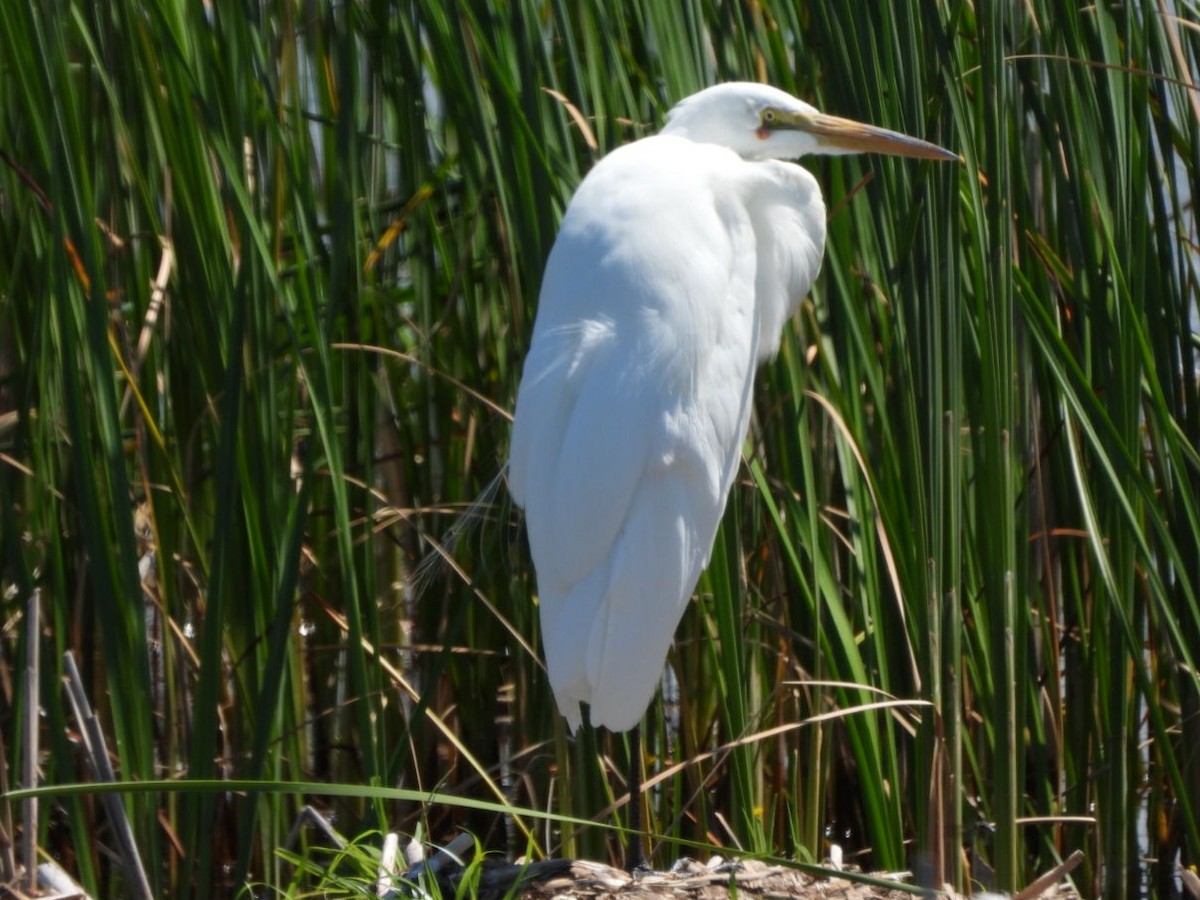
{"x": 679, "y": 260}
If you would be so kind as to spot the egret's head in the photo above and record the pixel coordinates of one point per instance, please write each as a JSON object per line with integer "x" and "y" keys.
{"x": 758, "y": 121}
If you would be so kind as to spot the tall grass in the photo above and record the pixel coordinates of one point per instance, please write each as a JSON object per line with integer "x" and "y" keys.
{"x": 270, "y": 273}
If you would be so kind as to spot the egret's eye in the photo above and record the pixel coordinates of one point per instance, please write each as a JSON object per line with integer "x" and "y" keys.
{"x": 769, "y": 117}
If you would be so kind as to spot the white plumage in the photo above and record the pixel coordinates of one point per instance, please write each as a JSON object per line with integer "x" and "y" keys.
{"x": 679, "y": 260}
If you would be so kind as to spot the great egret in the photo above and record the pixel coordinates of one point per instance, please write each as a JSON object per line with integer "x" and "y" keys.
{"x": 679, "y": 260}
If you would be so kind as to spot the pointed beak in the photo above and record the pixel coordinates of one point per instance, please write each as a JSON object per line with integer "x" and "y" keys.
{"x": 849, "y": 136}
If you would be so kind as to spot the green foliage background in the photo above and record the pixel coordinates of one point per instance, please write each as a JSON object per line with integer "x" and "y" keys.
{"x": 269, "y": 273}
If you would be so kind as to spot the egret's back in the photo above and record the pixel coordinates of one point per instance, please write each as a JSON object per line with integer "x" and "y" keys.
{"x": 675, "y": 269}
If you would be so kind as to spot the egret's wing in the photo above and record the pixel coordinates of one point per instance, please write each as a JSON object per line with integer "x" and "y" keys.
{"x": 581, "y": 440}
{"x": 609, "y": 545}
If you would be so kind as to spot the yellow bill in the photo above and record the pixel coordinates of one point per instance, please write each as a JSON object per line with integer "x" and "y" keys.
{"x": 835, "y": 134}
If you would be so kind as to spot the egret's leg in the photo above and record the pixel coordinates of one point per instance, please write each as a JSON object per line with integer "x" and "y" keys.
{"x": 634, "y": 860}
